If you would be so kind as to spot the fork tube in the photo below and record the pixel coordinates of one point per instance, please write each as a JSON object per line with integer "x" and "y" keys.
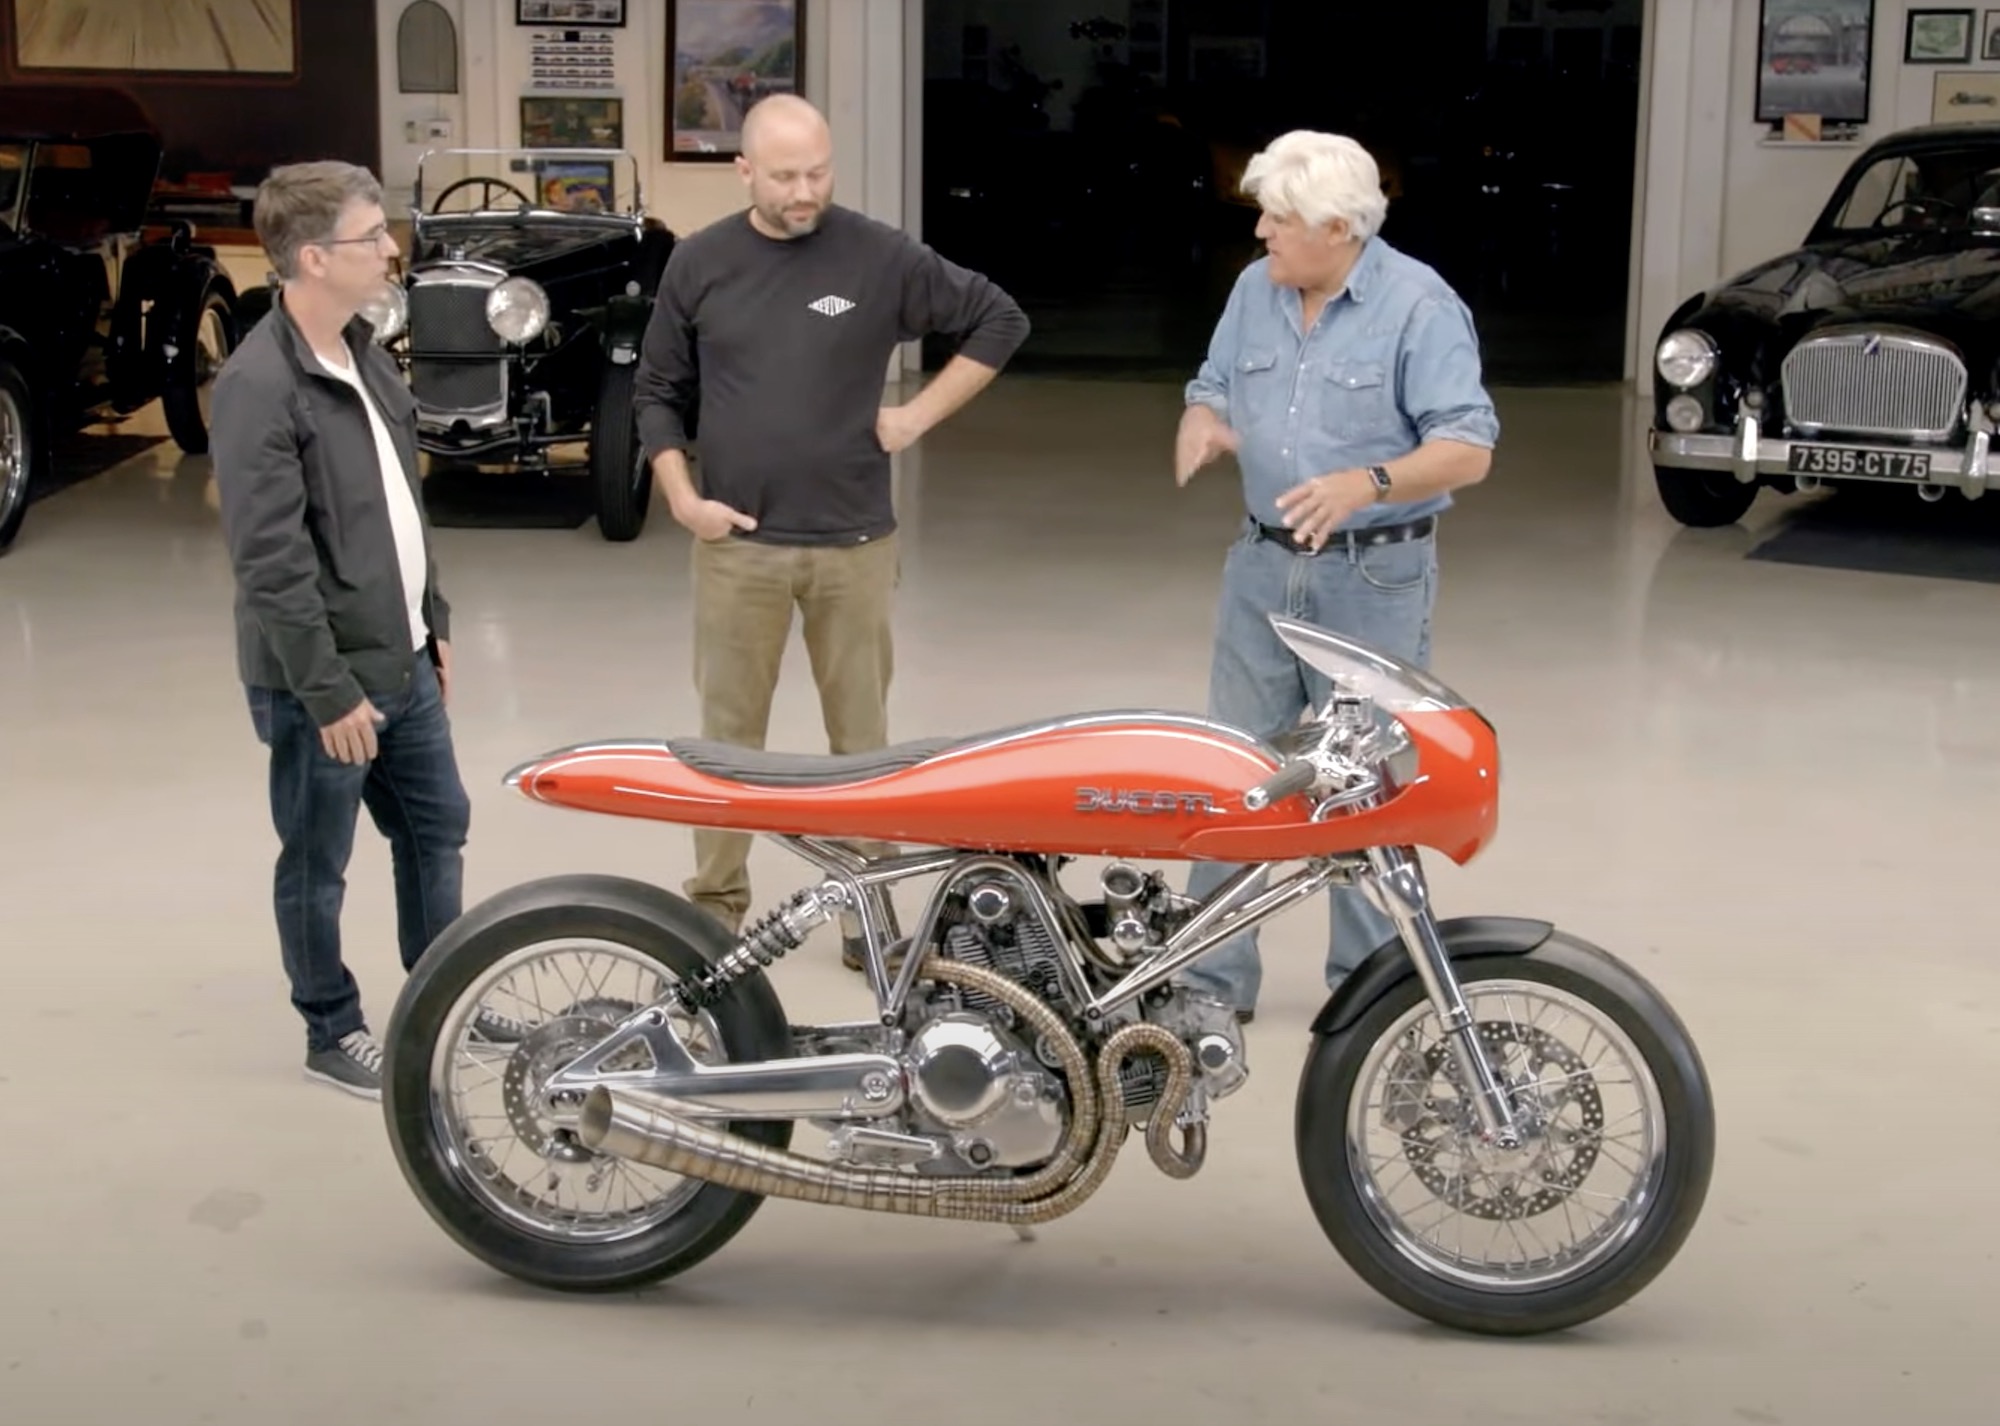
{"x": 1395, "y": 883}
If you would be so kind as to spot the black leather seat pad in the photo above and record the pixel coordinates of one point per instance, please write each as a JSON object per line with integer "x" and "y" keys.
{"x": 755, "y": 767}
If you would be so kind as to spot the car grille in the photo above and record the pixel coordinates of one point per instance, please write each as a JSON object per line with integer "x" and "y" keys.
{"x": 1870, "y": 384}
{"x": 448, "y": 320}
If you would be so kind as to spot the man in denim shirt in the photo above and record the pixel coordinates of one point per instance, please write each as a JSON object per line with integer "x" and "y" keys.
{"x": 1345, "y": 378}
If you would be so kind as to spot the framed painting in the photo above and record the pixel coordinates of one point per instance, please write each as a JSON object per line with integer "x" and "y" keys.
{"x": 565, "y": 121}
{"x": 564, "y": 14}
{"x": 206, "y": 38}
{"x": 723, "y": 56}
{"x": 1813, "y": 58}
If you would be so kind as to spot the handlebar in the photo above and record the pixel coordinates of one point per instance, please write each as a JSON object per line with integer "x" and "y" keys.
{"x": 1295, "y": 776}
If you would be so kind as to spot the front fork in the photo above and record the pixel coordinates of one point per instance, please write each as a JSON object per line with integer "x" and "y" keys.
{"x": 1394, "y": 884}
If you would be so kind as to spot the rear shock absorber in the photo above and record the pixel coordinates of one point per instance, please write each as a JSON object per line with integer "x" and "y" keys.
{"x": 782, "y": 930}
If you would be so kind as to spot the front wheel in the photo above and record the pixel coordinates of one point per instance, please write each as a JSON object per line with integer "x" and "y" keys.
{"x": 507, "y": 995}
{"x": 1614, "y": 1166}
{"x": 619, "y": 475}
{"x": 1704, "y": 499}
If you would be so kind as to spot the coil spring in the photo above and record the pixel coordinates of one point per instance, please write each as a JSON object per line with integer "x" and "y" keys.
{"x": 782, "y": 930}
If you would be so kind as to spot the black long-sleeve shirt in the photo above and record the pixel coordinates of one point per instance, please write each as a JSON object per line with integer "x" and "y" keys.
{"x": 773, "y": 354}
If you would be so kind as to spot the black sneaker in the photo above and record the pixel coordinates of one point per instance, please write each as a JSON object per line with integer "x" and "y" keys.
{"x": 355, "y": 1065}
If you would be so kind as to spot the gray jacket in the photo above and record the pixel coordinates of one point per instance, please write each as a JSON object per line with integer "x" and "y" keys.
{"x": 320, "y": 606}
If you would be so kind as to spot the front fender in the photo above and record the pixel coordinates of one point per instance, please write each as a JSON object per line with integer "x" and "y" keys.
{"x": 1464, "y": 937}
{"x": 624, "y": 328}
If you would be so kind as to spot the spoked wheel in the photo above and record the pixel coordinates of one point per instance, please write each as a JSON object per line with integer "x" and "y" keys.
{"x": 509, "y": 995}
{"x": 1617, "y": 1144}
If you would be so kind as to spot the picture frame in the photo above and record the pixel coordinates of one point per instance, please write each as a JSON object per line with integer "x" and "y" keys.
{"x": 571, "y": 14}
{"x": 1816, "y": 61}
{"x": 567, "y": 185}
{"x": 572, "y": 121}
{"x": 1965, "y": 96}
{"x": 1989, "y": 38}
{"x": 1938, "y": 37}
{"x": 722, "y": 57}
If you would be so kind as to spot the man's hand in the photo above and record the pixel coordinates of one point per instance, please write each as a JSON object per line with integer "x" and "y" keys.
{"x": 710, "y": 520}
{"x": 352, "y": 739}
{"x": 1203, "y": 437}
{"x": 1314, "y": 510}
{"x": 898, "y": 428}
{"x": 444, "y": 672}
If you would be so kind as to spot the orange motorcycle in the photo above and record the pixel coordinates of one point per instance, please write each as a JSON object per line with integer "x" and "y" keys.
{"x": 591, "y": 1085}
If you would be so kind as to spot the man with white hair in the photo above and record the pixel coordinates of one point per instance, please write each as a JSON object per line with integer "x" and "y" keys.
{"x": 1345, "y": 378}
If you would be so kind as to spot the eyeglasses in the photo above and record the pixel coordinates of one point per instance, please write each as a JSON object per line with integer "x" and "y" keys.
{"x": 373, "y": 235}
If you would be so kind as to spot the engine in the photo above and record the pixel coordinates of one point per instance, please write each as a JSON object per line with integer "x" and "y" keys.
{"x": 981, "y": 1095}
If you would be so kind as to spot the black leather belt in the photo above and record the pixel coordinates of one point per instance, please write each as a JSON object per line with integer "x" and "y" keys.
{"x": 1368, "y": 535}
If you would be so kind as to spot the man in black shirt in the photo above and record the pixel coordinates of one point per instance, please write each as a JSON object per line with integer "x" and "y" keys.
{"x": 770, "y": 340}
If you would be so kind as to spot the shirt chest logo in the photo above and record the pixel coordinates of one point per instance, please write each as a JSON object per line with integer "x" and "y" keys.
{"x": 830, "y": 306}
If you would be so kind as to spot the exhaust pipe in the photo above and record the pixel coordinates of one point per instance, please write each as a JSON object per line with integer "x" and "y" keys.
{"x": 637, "y": 1126}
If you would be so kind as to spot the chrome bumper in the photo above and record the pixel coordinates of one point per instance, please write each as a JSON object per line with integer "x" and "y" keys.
{"x": 1747, "y": 454}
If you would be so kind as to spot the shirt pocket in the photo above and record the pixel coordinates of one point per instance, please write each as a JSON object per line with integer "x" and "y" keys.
{"x": 1255, "y": 389}
{"x": 1358, "y": 400}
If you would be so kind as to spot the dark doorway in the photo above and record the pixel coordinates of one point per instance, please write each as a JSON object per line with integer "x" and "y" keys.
{"x": 1085, "y": 154}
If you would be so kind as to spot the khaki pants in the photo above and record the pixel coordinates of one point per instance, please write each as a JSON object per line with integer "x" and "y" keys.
{"x": 744, "y": 594}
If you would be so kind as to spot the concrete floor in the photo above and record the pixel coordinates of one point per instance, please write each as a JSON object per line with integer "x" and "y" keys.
{"x": 1770, "y": 787}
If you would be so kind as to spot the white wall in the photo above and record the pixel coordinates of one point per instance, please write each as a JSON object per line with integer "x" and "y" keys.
{"x": 855, "y": 52}
{"x": 1717, "y": 193}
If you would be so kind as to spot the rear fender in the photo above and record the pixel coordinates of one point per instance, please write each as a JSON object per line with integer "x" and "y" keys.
{"x": 624, "y": 327}
{"x": 1464, "y": 937}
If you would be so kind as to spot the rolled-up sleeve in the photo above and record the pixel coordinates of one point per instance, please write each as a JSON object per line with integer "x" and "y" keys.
{"x": 1210, "y": 386}
{"x": 1442, "y": 387}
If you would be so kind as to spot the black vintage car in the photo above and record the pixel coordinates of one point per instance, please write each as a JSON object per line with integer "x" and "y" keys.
{"x": 520, "y": 311}
{"x": 95, "y": 321}
{"x": 1871, "y": 353}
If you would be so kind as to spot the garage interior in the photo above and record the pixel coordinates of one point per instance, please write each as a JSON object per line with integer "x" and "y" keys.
{"x": 1754, "y": 762}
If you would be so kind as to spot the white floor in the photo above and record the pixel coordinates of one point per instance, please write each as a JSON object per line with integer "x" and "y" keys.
{"x": 1772, "y": 788}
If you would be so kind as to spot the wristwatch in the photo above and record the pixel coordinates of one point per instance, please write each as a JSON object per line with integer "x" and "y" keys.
{"x": 1380, "y": 475}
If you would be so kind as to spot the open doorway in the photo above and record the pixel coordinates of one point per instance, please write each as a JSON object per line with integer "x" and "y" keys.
{"x": 1084, "y": 154}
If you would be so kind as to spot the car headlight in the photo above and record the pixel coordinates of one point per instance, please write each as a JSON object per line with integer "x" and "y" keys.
{"x": 517, "y": 309}
{"x": 1686, "y": 357}
{"x": 388, "y": 311}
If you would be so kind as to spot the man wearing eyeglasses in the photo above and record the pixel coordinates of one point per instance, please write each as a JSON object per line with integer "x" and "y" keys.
{"x": 343, "y": 636}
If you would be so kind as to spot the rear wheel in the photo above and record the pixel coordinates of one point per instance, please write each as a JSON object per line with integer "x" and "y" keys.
{"x": 559, "y": 963}
{"x": 1608, "y": 1182}
{"x": 1704, "y": 498}
{"x": 186, "y": 402}
{"x": 19, "y": 452}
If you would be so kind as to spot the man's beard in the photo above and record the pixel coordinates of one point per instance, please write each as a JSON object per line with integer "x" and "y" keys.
{"x": 793, "y": 227}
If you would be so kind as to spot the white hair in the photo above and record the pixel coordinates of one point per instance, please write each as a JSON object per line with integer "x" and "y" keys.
{"x": 1317, "y": 178}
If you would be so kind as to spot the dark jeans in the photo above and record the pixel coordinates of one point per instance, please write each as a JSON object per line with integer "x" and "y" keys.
{"x": 413, "y": 792}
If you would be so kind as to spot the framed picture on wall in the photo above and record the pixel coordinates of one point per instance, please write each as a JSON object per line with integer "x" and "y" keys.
{"x": 1938, "y": 37}
{"x": 723, "y": 56}
{"x": 1989, "y": 39}
{"x": 1812, "y": 58}
{"x": 1970, "y": 96}
{"x": 572, "y": 121}
{"x": 565, "y": 13}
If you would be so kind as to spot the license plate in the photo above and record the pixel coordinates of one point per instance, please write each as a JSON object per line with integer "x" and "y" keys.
{"x": 1867, "y": 465}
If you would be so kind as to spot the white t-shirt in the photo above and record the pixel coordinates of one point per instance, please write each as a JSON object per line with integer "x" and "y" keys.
{"x": 403, "y": 519}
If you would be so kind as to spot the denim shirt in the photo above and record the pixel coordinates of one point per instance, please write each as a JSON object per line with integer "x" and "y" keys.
{"x": 1391, "y": 363}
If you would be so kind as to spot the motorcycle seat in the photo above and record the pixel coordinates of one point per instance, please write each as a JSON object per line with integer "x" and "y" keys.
{"x": 756, "y": 767}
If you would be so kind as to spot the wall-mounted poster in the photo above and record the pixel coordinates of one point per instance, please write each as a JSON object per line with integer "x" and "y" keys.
{"x": 562, "y": 121}
{"x": 1812, "y": 58}
{"x": 572, "y": 59}
{"x": 570, "y": 12}
{"x": 726, "y": 55}
{"x": 218, "y": 37}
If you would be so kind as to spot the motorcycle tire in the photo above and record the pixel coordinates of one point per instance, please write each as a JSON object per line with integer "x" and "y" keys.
{"x": 1340, "y": 1191}
{"x": 638, "y": 918}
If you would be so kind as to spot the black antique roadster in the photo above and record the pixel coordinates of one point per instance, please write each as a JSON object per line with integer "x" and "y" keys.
{"x": 95, "y": 320}
{"x": 520, "y": 311}
{"x": 1871, "y": 353}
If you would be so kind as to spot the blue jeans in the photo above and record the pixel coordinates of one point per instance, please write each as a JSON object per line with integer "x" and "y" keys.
{"x": 412, "y": 791}
{"x": 1380, "y": 595}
